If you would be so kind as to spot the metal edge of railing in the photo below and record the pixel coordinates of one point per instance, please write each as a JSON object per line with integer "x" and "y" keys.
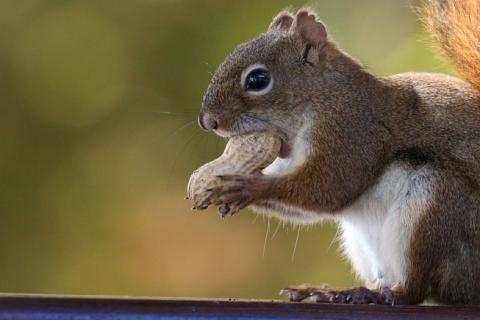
{"x": 54, "y": 307}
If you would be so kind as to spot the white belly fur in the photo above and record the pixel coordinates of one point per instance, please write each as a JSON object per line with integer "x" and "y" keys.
{"x": 376, "y": 229}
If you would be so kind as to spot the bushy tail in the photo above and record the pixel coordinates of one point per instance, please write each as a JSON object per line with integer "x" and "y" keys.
{"x": 455, "y": 25}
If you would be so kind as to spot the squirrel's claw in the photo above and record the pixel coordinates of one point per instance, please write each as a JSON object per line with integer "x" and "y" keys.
{"x": 234, "y": 193}
{"x": 230, "y": 208}
{"x": 357, "y": 295}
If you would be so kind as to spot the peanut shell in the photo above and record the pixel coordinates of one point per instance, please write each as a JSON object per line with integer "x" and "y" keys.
{"x": 246, "y": 154}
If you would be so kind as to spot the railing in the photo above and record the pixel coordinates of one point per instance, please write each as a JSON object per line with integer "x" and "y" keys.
{"x": 88, "y": 308}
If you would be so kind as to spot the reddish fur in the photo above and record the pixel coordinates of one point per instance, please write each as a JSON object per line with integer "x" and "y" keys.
{"x": 455, "y": 26}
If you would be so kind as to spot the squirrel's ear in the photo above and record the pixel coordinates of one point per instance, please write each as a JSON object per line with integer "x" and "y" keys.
{"x": 311, "y": 30}
{"x": 282, "y": 22}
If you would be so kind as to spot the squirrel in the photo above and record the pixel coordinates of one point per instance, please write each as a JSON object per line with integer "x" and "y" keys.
{"x": 394, "y": 160}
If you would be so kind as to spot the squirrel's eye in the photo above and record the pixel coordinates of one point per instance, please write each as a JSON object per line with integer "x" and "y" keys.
{"x": 257, "y": 80}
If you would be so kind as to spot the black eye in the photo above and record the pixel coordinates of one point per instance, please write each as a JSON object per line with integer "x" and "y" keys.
{"x": 258, "y": 79}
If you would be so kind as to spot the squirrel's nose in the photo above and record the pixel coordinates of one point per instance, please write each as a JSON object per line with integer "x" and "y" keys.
{"x": 207, "y": 122}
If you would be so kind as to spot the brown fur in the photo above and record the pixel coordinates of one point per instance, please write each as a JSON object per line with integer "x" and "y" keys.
{"x": 362, "y": 124}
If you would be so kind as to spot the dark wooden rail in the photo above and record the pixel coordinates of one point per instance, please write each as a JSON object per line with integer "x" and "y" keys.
{"x": 89, "y": 308}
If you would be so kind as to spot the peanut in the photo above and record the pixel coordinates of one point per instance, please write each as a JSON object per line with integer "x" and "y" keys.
{"x": 247, "y": 154}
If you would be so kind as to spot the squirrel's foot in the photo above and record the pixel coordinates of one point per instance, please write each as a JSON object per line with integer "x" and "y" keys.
{"x": 235, "y": 192}
{"x": 357, "y": 295}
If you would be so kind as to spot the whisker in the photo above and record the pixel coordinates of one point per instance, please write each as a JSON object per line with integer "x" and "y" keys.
{"x": 266, "y": 238}
{"x": 171, "y": 113}
{"x": 334, "y": 239}
{"x": 295, "y": 246}
{"x": 186, "y": 125}
{"x": 276, "y": 230}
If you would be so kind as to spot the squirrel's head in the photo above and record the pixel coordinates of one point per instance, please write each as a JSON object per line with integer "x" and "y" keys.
{"x": 269, "y": 82}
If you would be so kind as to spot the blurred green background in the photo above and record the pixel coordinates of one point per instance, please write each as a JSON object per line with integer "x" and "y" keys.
{"x": 98, "y": 136}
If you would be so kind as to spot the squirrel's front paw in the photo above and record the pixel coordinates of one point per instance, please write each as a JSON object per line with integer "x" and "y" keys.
{"x": 235, "y": 192}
